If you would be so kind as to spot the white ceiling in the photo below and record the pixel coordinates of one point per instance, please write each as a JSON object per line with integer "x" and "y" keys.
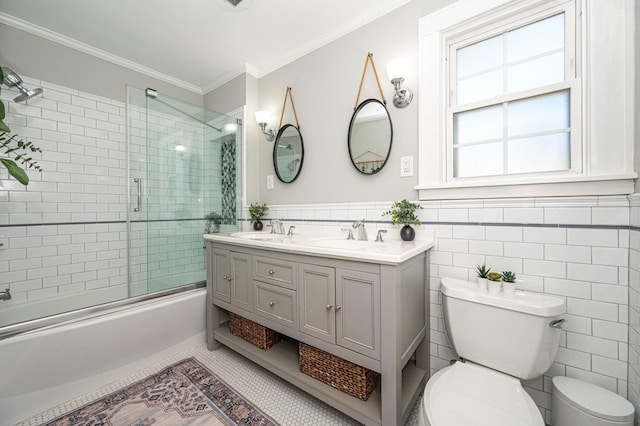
{"x": 195, "y": 44}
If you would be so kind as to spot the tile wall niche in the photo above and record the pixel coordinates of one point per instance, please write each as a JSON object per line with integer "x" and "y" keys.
{"x": 575, "y": 248}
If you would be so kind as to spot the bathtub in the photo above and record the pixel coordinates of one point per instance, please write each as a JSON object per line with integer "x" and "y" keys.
{"x": 46, "y": 367}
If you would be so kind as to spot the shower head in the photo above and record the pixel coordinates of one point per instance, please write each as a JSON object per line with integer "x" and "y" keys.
{"x": 11, "y": 79}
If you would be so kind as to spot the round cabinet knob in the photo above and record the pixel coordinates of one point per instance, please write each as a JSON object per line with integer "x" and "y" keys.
{"x": 338, "y": 307}
{"x": 229, "y": 279}
{"x": 272, "y": 304}
{"x": 271, "y": 272}
{"x": 329, "y": 307}
{"x": 226, "y": 277}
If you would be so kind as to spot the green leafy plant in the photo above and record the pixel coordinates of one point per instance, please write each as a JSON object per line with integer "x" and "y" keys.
{"x": 494, "y": 276}
{"x": 403, "y": 213}
{"x": 257, "y": 210}
{"x": 12, "y": 145}
{"x": 482, "y": 271}
{"x": 508, "y": 277}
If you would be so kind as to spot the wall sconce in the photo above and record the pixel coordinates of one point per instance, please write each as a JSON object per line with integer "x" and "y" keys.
{"x": 261, "y": 118}
{"x": 396, "y": 70}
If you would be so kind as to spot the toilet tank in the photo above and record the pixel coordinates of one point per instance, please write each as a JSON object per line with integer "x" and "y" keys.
{"x": 508, "y": 333}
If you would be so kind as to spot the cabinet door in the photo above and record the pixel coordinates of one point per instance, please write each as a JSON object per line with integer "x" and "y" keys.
{"x": 241, "y": 281}
{"x": 358, "y": 311}
{"x": 316, "y": 292}
{"x": 221, "y": 274}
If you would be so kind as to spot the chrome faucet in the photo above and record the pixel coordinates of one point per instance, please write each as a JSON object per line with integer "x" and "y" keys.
{"x": 290, "y": 231}
{"x": 362, "y": 232}
{"x": 5, "y": 295}
{"x": 277, "y": 227}
{"x": 379, "y": 236}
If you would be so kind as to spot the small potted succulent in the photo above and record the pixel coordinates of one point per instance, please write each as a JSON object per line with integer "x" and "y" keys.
{"x": 482, "y": 272}
{"x": 403, "y": 213}
{"x": 508, "y": 282}
{"x": 494, "y": 282}
{"x": 257, "y": 212}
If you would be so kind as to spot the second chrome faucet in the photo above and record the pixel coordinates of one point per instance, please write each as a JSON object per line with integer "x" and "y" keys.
{"x": 358, "y": 225}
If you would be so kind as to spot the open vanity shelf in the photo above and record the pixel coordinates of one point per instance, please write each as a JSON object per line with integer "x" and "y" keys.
{"x": 372, "y": 314}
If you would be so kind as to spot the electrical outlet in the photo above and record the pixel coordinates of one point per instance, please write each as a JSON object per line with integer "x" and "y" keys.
{"x": 406, "y": 166}
{"x": 269, "y": 181}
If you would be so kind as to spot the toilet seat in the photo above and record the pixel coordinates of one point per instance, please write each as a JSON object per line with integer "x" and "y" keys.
{"x": 470, "y": 394}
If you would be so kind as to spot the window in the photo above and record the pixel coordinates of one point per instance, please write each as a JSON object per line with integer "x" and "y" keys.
{"x": 502, "y": 99}
{"x": 511, "y": 99}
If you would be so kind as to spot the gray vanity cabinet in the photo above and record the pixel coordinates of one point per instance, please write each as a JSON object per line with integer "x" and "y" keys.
{"x": 358, "y": 311}
{"x": 374, "y": 314}
{"x": 232, "y": 278}
{"x": 340, "y": 306}
{"x": 317, "y": 297}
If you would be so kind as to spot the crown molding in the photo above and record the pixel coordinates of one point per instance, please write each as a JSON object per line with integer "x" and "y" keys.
{"x": 319, "y": 42}
{"x": 236, "y": 72}
{"x": 38, "y": 31}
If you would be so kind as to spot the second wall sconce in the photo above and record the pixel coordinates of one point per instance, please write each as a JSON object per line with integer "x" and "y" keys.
{"x": 396, "y": 70}
{"x": 261, "y": 118}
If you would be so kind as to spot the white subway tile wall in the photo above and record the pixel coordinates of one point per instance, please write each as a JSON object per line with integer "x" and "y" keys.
{"x": 66, "y": 231}
{"x": 575, "y": 248}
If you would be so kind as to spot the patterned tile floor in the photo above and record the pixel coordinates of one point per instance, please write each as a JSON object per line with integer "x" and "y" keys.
{"x": 285, "y": 403}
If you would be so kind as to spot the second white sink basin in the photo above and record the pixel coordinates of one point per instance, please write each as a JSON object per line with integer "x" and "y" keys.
{"x": 258, "y": 236}
{"x": 349, "y": 244}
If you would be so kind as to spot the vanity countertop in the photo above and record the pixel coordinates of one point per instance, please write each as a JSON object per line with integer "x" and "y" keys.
{"x": 331, "y": 242}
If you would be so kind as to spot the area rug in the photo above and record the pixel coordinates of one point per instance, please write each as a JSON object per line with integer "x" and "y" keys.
{"x": 185, "y": 393}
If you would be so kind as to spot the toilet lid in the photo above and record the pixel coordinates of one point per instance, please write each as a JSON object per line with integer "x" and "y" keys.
{"x": 469, "y": 394}
{"x": 593, "y": 399}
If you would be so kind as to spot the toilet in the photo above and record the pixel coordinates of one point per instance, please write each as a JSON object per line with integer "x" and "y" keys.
{"x": 501, "y": 339}
{"x": 575, "y": 402}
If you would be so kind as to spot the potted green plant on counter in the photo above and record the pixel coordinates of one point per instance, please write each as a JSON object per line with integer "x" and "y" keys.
{"x": 257, "y": 212}
{"x": 482, "y": 272}
{"x": 495, "y": 285}
{"x": 403, "y": 213}
{"x": 508, "y": 282}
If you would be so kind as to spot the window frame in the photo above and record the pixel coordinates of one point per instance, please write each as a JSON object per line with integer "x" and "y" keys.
{"x": 471, "y": 21}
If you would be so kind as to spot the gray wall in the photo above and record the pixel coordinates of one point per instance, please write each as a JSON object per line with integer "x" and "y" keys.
{"x": 35, "y": 57}
{"x": 324, "y": 86}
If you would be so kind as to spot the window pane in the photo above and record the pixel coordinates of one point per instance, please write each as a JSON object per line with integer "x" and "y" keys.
{"x": 535, "y": 73}
{"x": 480, "y": 87}
{"x": 539, "y": 154}
{"x": 479, "y": 57}
{"x": 535, "y": 39}
{"x": 539, "y": 114}
{"x": 478, "y": 125}
{"x": 478, "y": 160}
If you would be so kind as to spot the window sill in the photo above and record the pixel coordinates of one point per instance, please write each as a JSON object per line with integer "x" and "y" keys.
{"x": 600, "y": 185}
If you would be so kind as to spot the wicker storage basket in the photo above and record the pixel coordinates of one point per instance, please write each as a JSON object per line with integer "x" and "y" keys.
{"x": 337, "y": 372}
{"x": 252, "y": 332}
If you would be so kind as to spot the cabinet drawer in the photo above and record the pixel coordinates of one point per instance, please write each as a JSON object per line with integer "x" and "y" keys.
{"x": 275, "y": 303}
{"x": 275, "y": 271}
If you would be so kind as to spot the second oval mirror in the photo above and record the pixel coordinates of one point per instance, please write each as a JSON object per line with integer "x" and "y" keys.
{"x": 288, "y": 153}
{"x": 370, "y": 136}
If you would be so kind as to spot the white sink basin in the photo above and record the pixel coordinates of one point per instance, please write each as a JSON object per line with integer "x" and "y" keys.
{"x": 258, "y": 236}
{"x": 349, "y": 244}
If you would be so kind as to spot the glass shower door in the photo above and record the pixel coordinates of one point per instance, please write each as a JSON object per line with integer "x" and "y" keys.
{"x": 187, "y": 175}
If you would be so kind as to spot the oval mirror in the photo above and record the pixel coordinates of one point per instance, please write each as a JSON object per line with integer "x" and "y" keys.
{"x": 288, "y": 153}
{"x": 370, "y": 136}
